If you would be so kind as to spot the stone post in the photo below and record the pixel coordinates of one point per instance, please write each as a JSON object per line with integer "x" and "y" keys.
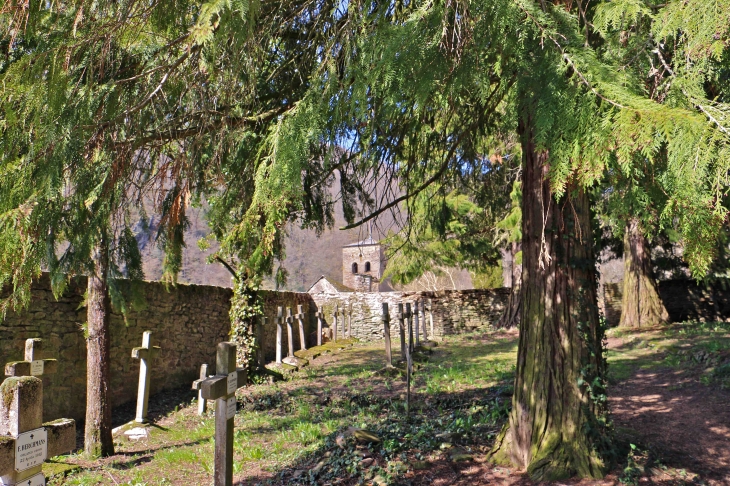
{"x": 260, "y": 356}
{"x": 430, "y": 316}
{"x": 409, "y": 323}
{"x": 319, "y": 328}
{"x": 302, "y": 337}
{"x": 279, "y": 317}
{"x": 289, "y": 333}
{"x": 202, "y": 402}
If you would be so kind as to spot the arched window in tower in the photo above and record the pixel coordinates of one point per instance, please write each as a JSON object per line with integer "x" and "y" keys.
{"x": 354, "y": 268}
{"x": 367, "y": 266}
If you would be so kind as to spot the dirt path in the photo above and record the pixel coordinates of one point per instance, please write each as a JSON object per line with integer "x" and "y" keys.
{"x": 683, "y": 422}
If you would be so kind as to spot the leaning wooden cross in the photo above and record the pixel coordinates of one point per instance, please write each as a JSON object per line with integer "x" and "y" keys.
{"x": 25, "y": 441}
{"x": 145, "y": 354}
{"x": 222, "y": 388}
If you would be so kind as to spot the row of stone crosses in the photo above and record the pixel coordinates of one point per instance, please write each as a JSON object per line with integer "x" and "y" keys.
{"x": 26, "y": 442}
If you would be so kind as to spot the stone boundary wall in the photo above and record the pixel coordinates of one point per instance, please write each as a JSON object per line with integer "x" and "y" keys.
{"x": 684, "y": 299}
{"x": 454, "y": 311}
{"x": 188, "y": 321}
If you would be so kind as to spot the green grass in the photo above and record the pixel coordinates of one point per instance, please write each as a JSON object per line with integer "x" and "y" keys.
{"x": 459, "y": 389}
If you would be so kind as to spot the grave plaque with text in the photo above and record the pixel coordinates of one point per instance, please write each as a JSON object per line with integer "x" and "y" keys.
{"x": 31, "y": 449}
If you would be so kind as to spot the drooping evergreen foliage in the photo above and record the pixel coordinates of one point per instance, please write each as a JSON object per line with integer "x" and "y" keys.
{"x": 244, "y": 104}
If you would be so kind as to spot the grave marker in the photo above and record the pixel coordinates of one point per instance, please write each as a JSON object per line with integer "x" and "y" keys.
{"x": 430, "y": 316}
{"x": 222, "y": 388}
{"x": 409, "y": 359}
{"x": 417, "y": 319}
{"x": 319, "y": 328}
{"x": 386, "y": 333}
{"x": 279, "y": 317}
{"x": 289, "y": 333}
{"x": 25, "y": 441}
{"x": 401, "y": 316}
{"x": 334, "y": 323}
{"x": 202, "y": 402}
{"x": 34, "y": 364}
{"x": 300, "y": 319}
{"x": 349, "y": 321}
{"x": 344, "y": 336}
{"x": 260, "y": 357}
{"x": 144, "y": 354}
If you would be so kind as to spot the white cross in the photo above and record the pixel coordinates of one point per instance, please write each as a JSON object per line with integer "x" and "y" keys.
{"x": 144, "y": 354}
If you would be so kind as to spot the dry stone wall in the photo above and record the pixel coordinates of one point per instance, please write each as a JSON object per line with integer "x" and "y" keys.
{"x": 188, "y": 321}
{"x": 683, "y": 299}
{"x": 454, "y": 311}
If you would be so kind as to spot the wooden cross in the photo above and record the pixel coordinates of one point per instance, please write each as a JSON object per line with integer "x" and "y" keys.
{"x": 222, "y": 388}
{"x": 34, "y": 364}
{"x": 202, "y": 402}
{"x": 409, "y": 359}
{"x": 279, "y": 318}
{"x": 25, "y": 441}
{"x": 144, "y": 354}
{"x": 334, "y": 323}
{"x": 386, "y": 334}
{"x": 300, "y": 318}
{"x": 319, "y": 328}
{"x": 401, "y": 317}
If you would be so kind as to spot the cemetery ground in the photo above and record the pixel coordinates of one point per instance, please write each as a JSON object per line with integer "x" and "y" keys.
{"x": 669, "y": 393}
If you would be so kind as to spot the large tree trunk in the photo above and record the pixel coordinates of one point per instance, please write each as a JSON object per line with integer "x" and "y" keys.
{"x": 554, "y": 427}
{"x": 98, "y": 433}
{"x": 511, "y": 315}
{"x": 641, "y": 305}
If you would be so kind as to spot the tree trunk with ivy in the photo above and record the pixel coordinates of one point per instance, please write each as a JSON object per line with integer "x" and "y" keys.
{"x": 98, "y": 440}
{"x": 557, "y": 422}
{"x": 245, "y": 309}
{"x": 641, "y": 305}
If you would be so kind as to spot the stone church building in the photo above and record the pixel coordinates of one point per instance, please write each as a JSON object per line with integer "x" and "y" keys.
{"x": 363, "y": 265}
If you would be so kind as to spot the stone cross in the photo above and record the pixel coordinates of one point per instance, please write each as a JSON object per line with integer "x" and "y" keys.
{"x": 145, "y": 355}
{"x": 222, "y": 388}
{"x": 289, "y": 333}
{"x": 300, "y": 318}
{"x": 386, "y": 333}
{"x": 25, "y": 441}
{"x": 202, "y": 402}
{"x": 417, "y": 319}
{"x": 279, "y": 318}
{"x": 401, "y": 317}
{"x": 334, "y": 323}
{"x": 260, "y": 357}
{"x": 409, "y": 359}
{"x": 34, "y": 364}
{"x": 319, "y": 328}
